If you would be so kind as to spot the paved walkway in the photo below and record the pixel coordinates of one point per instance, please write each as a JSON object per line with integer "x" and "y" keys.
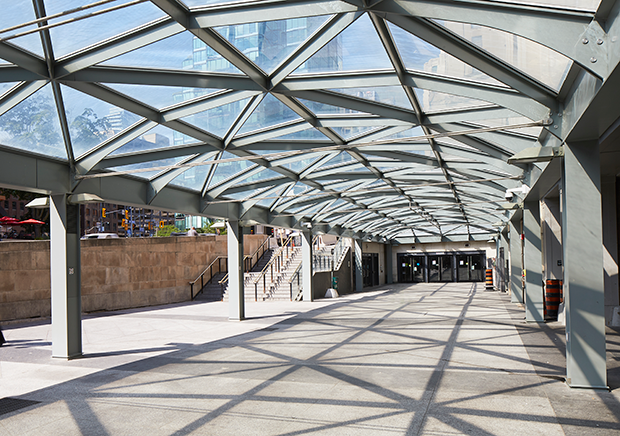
{"x": 424, "y": 359}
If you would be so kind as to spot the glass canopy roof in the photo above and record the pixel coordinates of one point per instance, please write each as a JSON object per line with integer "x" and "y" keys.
{"x": 388, "y": 119}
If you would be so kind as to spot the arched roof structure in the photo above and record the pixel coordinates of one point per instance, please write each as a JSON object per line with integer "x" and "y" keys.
{"x": 389, "y": 119}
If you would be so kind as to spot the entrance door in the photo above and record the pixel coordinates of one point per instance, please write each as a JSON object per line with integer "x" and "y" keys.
{"x": 469, "y": 267}
{"x": 446, "y": 268}
{"x": 370, "y": 269}
{"x": 405, "y": 268}
{"x": 419, "y": 265}
{"x": 462, "y": 268}
{"x": 433, "y": 269}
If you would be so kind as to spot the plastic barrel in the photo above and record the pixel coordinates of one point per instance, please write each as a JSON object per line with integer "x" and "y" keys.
{"x": 489, "y": 280}
{"x": 553, "y": 296}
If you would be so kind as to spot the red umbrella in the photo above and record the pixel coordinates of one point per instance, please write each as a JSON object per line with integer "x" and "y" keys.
{"x": 8, "y": 220}
{"x": 31, "y": 221}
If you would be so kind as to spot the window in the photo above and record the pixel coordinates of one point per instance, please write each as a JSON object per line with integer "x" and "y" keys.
{"x": 14, "y": 204}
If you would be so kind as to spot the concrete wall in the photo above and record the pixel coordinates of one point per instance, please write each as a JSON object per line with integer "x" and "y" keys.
{"x": 116, "y": 273}
{"x": 322, "y": 281}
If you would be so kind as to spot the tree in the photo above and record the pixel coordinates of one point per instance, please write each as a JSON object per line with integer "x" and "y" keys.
{"x": 88, "y": 129}
{"x": 166, "y": 230}
{"x": 33, "y": 123}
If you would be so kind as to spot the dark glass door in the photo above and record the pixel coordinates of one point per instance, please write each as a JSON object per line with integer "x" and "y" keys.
{"x": 418, "y": 268}
{"x": 462, "y": 268}
{"x": 446, "y": 268}
{"x": 470, "y": 267}
{"x": 433, "y": 268}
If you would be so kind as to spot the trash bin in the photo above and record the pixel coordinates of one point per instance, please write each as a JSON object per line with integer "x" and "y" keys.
{"x": 335, "y": 282}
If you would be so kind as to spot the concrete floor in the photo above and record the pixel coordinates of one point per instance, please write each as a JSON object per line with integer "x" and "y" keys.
{"x": 424, "y": 359}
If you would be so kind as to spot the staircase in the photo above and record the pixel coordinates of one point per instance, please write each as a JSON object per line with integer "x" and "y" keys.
{"x": 213, "y": 291}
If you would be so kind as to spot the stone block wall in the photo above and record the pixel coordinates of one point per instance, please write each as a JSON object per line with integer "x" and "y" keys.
{"x": 116, "y": 273}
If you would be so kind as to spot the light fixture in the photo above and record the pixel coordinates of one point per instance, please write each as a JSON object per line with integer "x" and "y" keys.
{"x": 84, "y": 199}
{"x": 510, "y": 206}
{"x": 39, "y": 203}
{"x": 536, "y": 154}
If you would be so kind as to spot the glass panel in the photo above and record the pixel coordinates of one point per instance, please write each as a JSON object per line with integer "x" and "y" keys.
{"x": 219, "y": 119}
{"x": 392, "y": 95}
{"x": 350, "y": 132}
{"x": 160, "y": 96}
{"x": 432, "y": 101}
{"x": 270, "y": 112}
{"x": 341, "y": 158}
{"x": 179, "y": 52}
{"x": 310, "y": 133}
{"x": 199, "y": 3}
{"x": 74, "y": 36}
{"x": 265, "y": 174}
{"x": 346, "y": 52}
{"x": 271, "y": 198}
{"x": 587, "y": 5}
{"x": 146, "y": 165}
{"x": 268, "y": 43}
{"x": 419, "y": 55}
{"x": 6, "y": 86}
{"x": 92, "y": 121}
{"x": 194, "y": 178}
{"x": 226, "y": 170}
{"x": 409, "y": 133}
{"x": 300, "y": 165}
{"x": 533, "y": 131}
{"x": 536, "y": 60}
{"x": 157, "y": 137}
{"x": 33, "y": 125}
{"x": 327, "y": 109}
{"x": 14, "y": 13}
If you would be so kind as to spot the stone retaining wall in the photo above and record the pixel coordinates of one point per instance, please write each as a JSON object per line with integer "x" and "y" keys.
{"x": 116, "y": 273}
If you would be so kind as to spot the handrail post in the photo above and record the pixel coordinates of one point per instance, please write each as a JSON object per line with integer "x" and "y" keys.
{"x": 191, "y": 290}
{"x": 255, "y": 291}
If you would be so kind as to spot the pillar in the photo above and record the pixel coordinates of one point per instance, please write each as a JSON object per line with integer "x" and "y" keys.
{"x": 516, "y": 264}
{"x": 552, "y": 238}
{"x": 584, "y": 295}
{"x": 357, "y": 257}
{"x": 389, "y": 273}
{"x": 533, "y": 262}
{"x": 65, "y": 278}
{"x": 610, "y": 243}
{"x": 236, "y": 297}
{"x": 306, "y": 265}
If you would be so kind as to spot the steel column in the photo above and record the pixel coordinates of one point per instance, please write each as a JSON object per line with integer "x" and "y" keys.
{"x": 306, "y": 265}
{"x": 357, "y": 255}
{"x": 389, "y": 264}
{"x": 236, "y": 300}
{"x": 533, "y": 262}
{"x": 65, "y": 278}
{"x": 582, "y": 239}
{"x": 516, "y": 264}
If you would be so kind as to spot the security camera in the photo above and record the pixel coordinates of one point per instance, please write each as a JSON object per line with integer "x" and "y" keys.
{"x": 509, "y": 195}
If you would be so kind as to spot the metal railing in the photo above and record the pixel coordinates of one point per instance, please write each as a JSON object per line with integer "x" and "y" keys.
{"x": 280, "y": 261}
{"x": 340, "y": 249}
{"x": 252, "y": 259}
{"x": 249, "y": 262}
{"x": 296, "y": 277}
{"x": 332, "y": 260}
{"x": 201, "y": 277}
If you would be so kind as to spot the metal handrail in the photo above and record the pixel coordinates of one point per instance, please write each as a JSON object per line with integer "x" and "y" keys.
{"x": 246, "y": 257}
{"x": 277, "y": 260}
{"x": 275, "y": 257}
{"x": 210, "y": 269}
{"x": 255, "y": 254}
